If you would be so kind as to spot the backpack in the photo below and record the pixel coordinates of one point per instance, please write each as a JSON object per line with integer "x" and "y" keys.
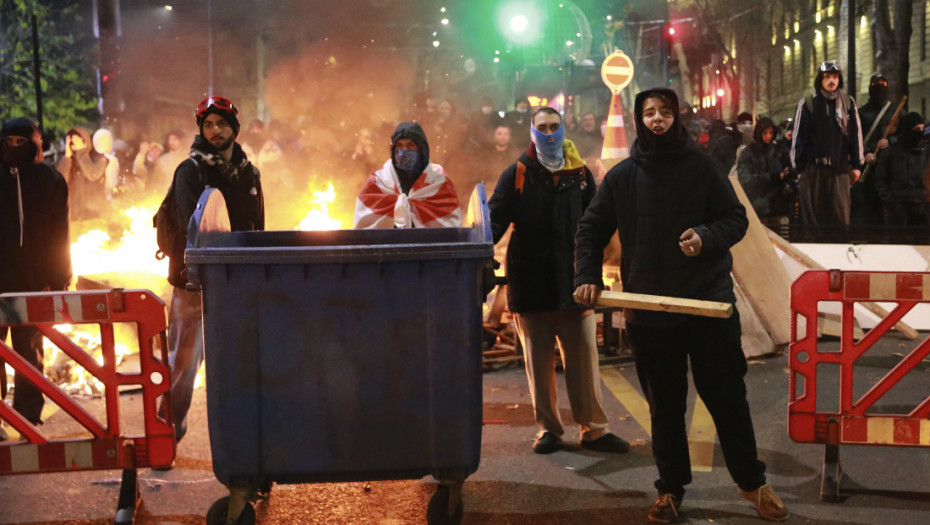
{"x": 169, "y": 234}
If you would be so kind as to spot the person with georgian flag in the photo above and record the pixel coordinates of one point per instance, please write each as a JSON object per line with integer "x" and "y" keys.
{"x": 408, "y": 191}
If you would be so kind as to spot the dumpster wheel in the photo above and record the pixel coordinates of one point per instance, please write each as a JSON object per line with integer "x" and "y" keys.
{"x": 217, "y": 515}
{"x": 445, "y": 507}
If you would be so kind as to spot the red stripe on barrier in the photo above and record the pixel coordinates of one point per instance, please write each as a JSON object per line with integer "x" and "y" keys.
{"x": 94, "y": 307}
{"x": 857, "y": 286}
{"x": 6, "y": 461}
{"x": 907, "y": 431}
{"x": 855, "y": 430}
{"x": 40, "y": 309}
{"x": 106, "y": 453}
{"x": 51, "y": 456}
{"x": 909, "y": 286}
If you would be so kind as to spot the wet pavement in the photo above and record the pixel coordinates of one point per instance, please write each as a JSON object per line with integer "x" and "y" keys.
{"x": 514, "y": 486}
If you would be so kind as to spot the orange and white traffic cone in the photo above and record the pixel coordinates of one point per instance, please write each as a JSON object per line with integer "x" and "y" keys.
{"x": 615, "y": 139}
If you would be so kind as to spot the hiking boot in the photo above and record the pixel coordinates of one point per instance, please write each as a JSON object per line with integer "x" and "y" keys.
{"x": 547, "y": 443}
{"x": 607, "y": 443}
{"x": 768, "y": 504}
{"x": 665, "y": 509}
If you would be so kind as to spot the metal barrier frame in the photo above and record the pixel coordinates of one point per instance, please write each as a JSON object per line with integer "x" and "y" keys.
{"x": 852, "y": 424}
{"x": 108, "y": 448}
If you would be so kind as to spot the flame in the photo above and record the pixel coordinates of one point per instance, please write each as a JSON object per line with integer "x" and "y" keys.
{"x": 94, "y": 253}
{"x": 318, "y": 217}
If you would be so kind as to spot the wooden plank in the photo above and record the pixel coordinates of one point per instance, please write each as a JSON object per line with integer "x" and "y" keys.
{"x": 761, "y": 274}
{"x": 804, "y": 259}
{"x": 755, "y": 339}
{"x": 660, "y": 303}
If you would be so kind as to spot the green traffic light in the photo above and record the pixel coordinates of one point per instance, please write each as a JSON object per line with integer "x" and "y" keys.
{"x": 520, "y": 21}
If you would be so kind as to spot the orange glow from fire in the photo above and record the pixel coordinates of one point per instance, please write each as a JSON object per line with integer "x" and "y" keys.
{"x": 318, "y": 218}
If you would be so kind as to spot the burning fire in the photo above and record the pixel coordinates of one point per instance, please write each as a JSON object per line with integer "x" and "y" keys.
{"x": 93, "y": 252}
{"x": 318, "y": 217}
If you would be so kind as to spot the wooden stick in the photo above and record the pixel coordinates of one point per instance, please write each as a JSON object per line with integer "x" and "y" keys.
{"x": 892, "y": 124}
{"x": 803, "y": 258}
{"x": 665, "y": 304}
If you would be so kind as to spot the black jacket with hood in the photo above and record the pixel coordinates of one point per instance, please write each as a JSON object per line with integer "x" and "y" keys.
{"x": 818, "y": 137}
{"x": 34, "y": 237}
{"x": 411, "y": 131}
{"x": 666, "y": 186}
{"x": 544, "y": 208}
{"x": 237, "y": 180}
{"x": 759, "y": 168}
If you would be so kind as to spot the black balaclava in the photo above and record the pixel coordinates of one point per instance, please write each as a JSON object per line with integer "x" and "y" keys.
{"x": 30, "y": 152}
{"x": 648, "y": 144}
{"x": 878, "y": 94}
{"x": 906, "y": 133}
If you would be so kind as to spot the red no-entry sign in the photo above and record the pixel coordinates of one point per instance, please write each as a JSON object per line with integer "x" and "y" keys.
{"x": 617, "y": 71}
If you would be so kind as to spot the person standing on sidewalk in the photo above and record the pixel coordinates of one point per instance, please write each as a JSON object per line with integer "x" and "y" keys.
{"x": 544, "y": 195}
{"x": 216, "y": 160}
{"x": 677, "y": 217}
{"x": 35, "y": 249}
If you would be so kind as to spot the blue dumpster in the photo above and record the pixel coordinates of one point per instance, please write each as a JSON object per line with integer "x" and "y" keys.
{"x": 348, "y": 355}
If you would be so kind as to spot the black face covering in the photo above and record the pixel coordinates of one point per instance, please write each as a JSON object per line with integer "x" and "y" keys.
{"x": 15, "y": 156}
{"x": 878, "y": 93}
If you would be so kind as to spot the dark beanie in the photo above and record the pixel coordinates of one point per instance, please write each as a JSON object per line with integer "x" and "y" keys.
{"x": 227, "y": 115}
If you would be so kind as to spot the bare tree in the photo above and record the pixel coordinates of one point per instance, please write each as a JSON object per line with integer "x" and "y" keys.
{"x": 893, "y": 42}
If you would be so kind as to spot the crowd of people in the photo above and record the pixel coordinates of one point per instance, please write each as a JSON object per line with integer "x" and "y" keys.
{"x": 676, "y": 213}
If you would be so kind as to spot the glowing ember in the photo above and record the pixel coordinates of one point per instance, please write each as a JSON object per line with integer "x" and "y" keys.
{"x": 93, "y": 252}
{"x": 318, "y": 217}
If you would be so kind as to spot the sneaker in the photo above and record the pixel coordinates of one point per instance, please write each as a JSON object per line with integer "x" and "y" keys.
{"x": 547, "y": 443}
{"x": 768, "y": 504}
{"x": 665, "y": 509}
{"x": 607, "y": 443}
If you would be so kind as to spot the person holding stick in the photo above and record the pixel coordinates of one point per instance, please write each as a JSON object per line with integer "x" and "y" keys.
{"x": 677, "y": 218}
{"x": 865, "y": 205}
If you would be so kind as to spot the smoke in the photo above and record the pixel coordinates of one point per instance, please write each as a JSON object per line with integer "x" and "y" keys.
{"x": 317, "y": 76}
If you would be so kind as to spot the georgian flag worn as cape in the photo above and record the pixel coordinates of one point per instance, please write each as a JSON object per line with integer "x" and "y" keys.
{"x": 432, "y": 201}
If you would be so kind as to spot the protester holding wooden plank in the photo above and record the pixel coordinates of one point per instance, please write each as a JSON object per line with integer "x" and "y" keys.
{"x": 677, "y": 219}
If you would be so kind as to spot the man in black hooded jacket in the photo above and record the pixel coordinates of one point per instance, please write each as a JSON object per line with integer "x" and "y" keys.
{"x": 216, "y": 160}
{"x": 34, "y": 245}
{"x": 677, "y": 218}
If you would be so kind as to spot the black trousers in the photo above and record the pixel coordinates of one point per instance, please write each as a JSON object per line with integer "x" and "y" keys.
{"x": 718, "y": 366}
{"x": 27, "y": 342}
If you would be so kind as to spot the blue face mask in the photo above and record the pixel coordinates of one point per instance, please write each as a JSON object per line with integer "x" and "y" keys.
{"x": 406, "y": 159}
{"x": 549, "y": 145}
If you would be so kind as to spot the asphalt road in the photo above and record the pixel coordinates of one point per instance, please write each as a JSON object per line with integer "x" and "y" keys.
{"x": 514, "y": 486}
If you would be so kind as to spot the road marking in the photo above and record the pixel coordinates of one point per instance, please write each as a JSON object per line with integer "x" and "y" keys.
{"x": 47, "y": 411}
{"x": 628, "y": 396}
{"x": 701, "y": 438}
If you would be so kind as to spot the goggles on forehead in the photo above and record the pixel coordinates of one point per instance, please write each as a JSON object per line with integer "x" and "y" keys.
{"x": 830, "y": 66}
{"x": 221, "y": 103}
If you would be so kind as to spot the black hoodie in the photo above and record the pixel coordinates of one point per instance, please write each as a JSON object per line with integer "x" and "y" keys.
{"x": 413, "y": 132}
{"x": 665, "y": 187}
{"x": 34, "y": 240}
{"x": 759, "y": 168}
